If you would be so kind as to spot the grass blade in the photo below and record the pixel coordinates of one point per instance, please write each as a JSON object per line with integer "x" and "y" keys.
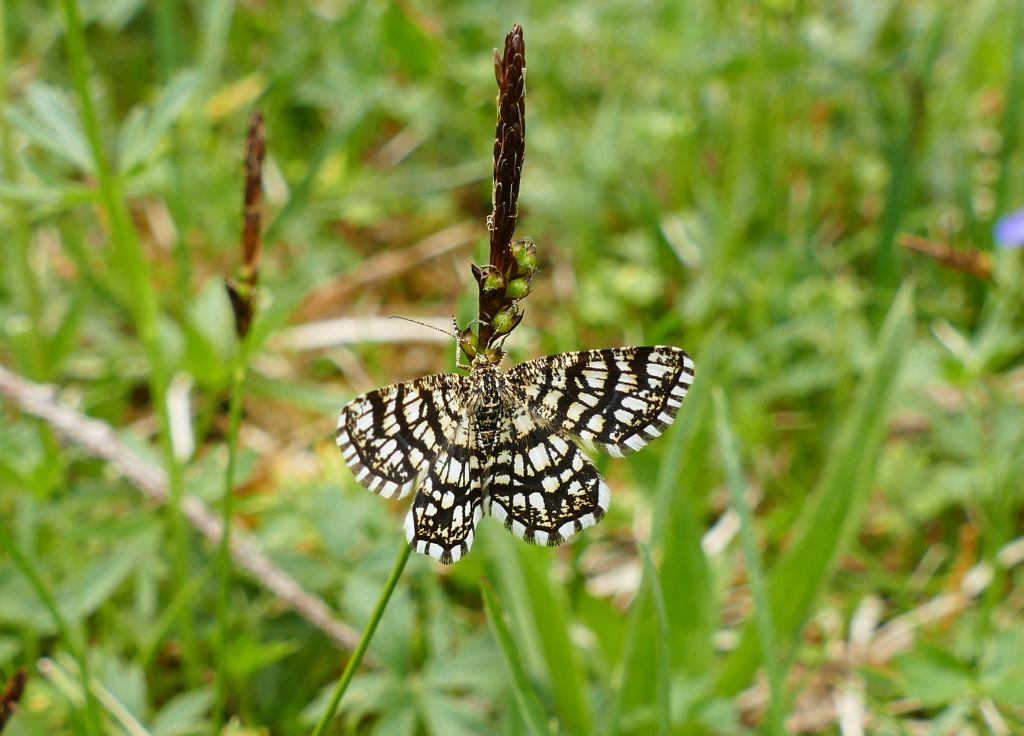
{"x": 542, "y": 626}
{"x": 552, "y": 625}
{"x": 1010, "y": 127}
{"x": 762, "y": 605}
{"x": 530, "y": 708}
{"x": 641, "y": 689}
{"x": 833, "y": 512}
{"x": 664, "y": 709}
{"x": 224, "y": 548}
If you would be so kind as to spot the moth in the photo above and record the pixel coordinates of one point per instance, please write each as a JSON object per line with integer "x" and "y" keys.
{"x": 510, "y": 444}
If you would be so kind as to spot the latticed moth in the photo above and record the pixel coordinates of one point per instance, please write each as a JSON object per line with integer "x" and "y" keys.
{"x": 508, "y": 443}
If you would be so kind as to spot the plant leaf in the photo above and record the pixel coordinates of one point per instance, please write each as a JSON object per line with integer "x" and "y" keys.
{"x": 52, "y": 123}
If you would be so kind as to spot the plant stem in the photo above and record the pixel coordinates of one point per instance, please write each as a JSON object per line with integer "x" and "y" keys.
{"x": 224, "y": 552}
{"x": 25, "y": 277}
{"x": 1010, "y": 126}
{"x": 23, "y": 564}
{"x": 127, "y": 254}
{"x": 364, "y": 640}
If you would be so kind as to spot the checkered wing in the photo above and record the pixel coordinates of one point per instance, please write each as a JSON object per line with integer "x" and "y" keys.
{"x": 539, "y": 483}
{"x": 417, "y": 436}
{"x": 616, "y": 400}
{"x": 389, "y": 437}
{"x": 443, "y": 516}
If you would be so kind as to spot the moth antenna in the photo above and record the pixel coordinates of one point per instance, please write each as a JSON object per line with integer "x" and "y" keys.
{"x": 424, "y": 324}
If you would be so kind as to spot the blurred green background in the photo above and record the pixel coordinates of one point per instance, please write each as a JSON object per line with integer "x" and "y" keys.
{"x": 729, "y": 177}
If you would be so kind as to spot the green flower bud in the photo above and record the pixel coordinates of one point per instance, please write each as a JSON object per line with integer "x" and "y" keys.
{"x": 506, "y": 320}
{"x": 518, "y": 288}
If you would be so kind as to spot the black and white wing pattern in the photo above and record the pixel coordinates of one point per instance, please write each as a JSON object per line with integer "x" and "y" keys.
{"x": 418, "y": 436}
{"x": 539, "y": 482}
{"x": 616, "y": 400}
{"x": 506, "y": 443}
{"x": 443, "y": 517}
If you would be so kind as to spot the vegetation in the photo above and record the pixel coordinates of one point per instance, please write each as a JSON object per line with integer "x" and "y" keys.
{"x": 828, "y": 540}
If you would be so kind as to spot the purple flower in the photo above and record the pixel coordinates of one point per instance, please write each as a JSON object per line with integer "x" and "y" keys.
{"x": 1009, "y": 230}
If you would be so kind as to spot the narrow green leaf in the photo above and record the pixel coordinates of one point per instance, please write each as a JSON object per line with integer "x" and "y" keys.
{"x": 552, "y": 624}
{"x": 537, "y": 612}
{"x": 833, "y": 512}
{"x": 762, "y": 604}
{"x": 664, "y": 709}
{"x": 530, "y": 708}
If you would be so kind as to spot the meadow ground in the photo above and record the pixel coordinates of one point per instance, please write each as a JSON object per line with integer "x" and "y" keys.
{"x": 828, "y": 540}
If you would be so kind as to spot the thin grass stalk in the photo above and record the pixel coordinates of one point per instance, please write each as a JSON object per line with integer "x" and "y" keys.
{"x": 20, "y": 235}
{"x": 243, "y": 297}
{"x": 364, "y": 641}
{"x": 128, "y": 255}
{"x": 224, "y": 551}
{"x": 169, "y": 614}
{"x": 1011, "y": 115}
{"x": 27, "y": 569}
{"x": 35, "y": 362}
{"x": 755, "y": 575}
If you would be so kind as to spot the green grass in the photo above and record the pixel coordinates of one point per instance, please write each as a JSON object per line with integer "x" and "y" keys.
{"x": 727, "y": 177}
